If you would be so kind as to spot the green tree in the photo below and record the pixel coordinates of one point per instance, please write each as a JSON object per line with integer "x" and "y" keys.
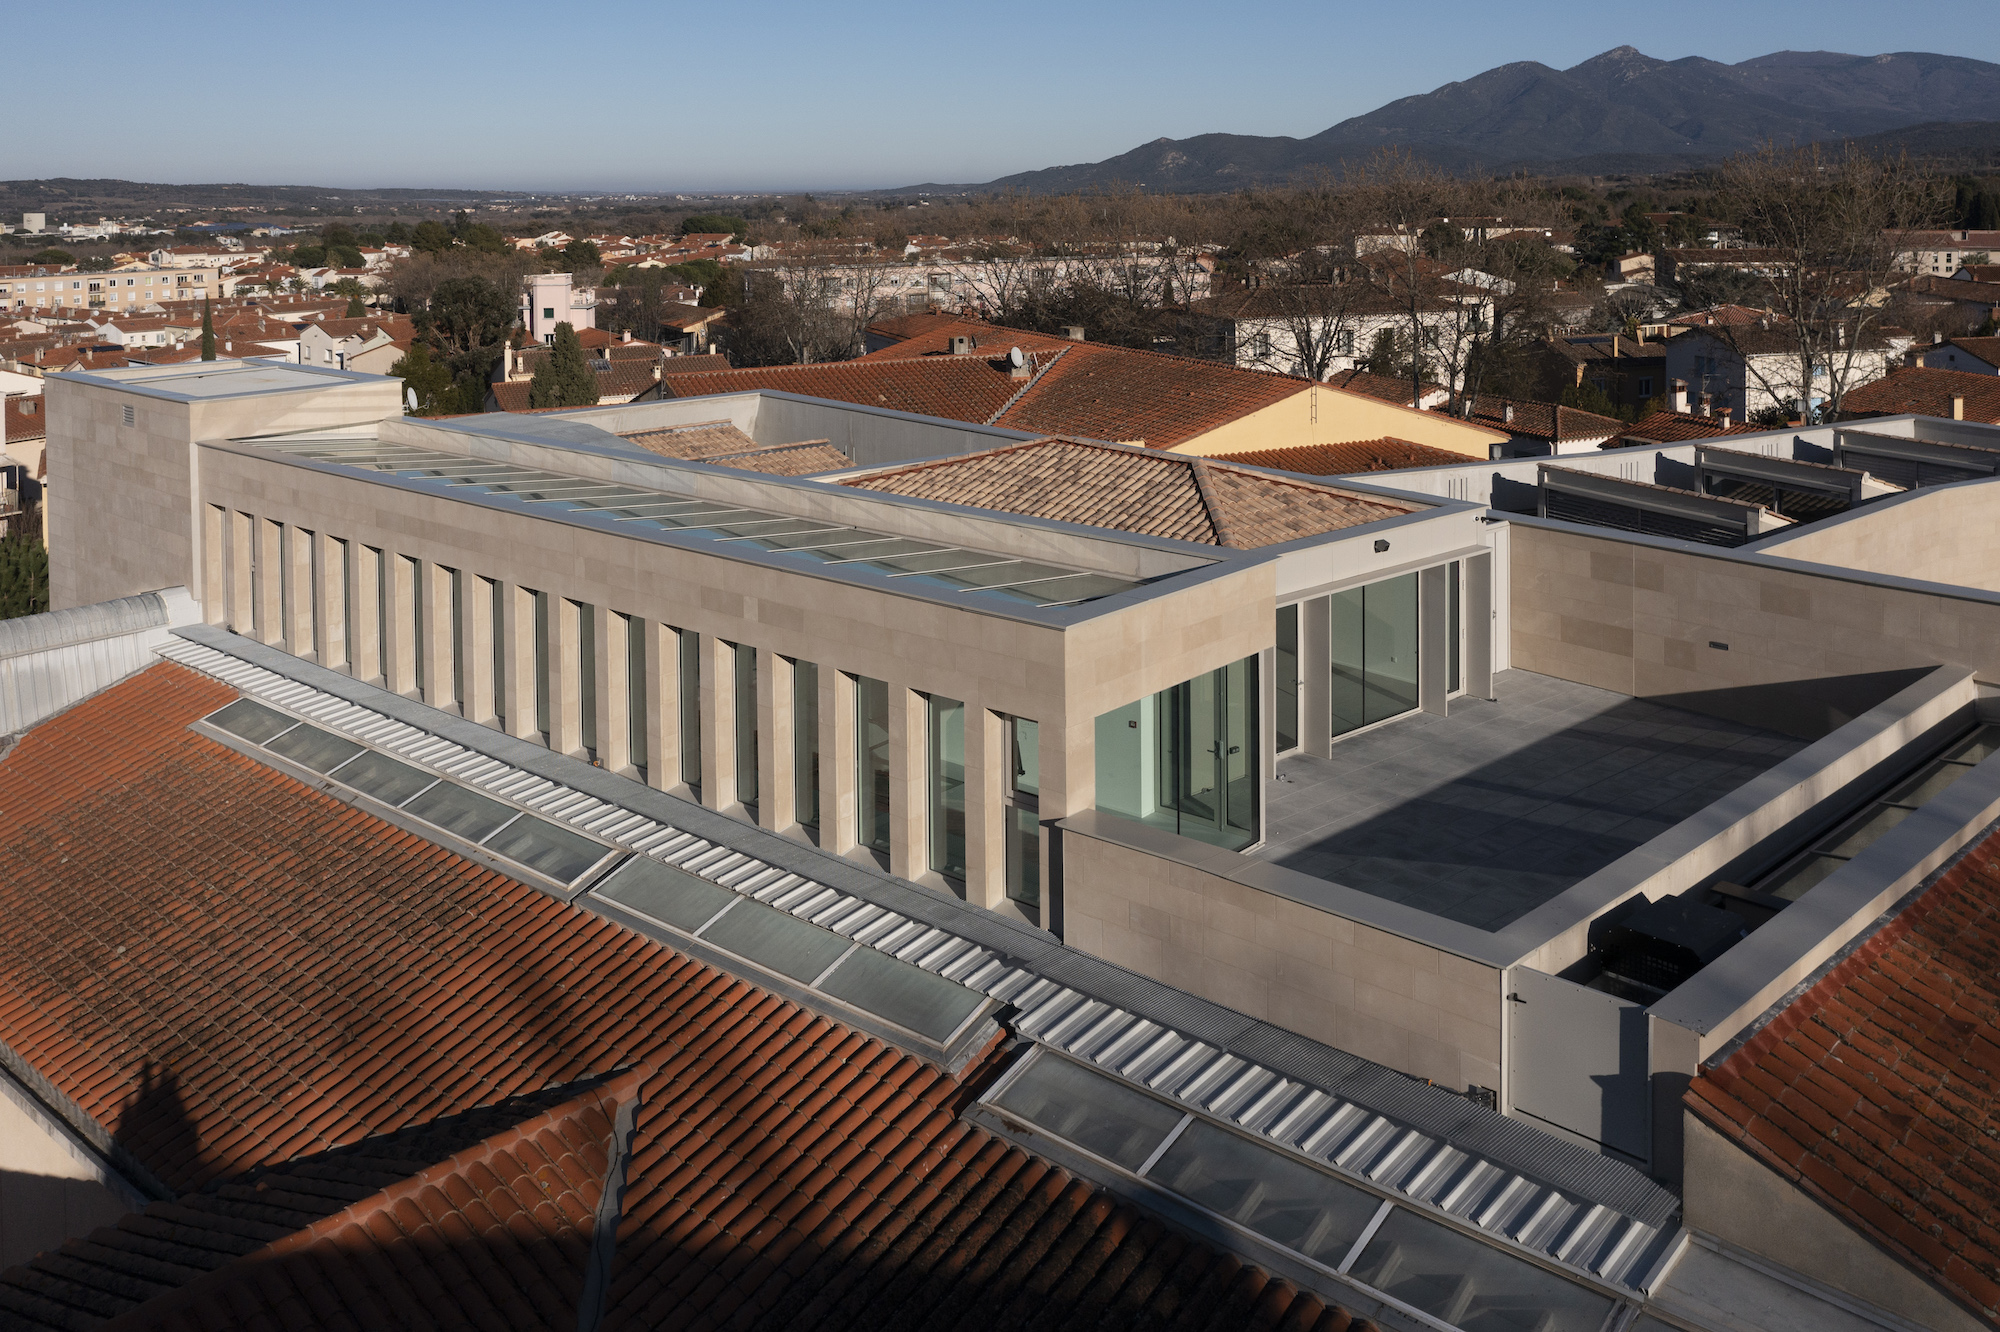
{"x": 711, "y": 223}
{"x": 355, "y": 309}
{"x": 207, "y": 332}
{"x": 578, "y": 254}
{"x": 308, "y": 256}
{"x": 1590, "y": 398}
{"x": 565, "y": 379}
{"x": 96, "y": 263}
{"x": 24, "y": 573}
{"x": 52, "y": 256}
{"x": 396, "y": 234}
{"x": 430, "y": 380}
{"x": 430, "y": 237}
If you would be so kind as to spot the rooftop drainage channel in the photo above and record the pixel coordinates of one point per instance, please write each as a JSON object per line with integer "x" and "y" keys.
{"x": 1254, "y": 1075}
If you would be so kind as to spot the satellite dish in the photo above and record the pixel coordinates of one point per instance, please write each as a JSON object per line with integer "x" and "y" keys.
{"x": 1015, "y": 359}
{"x": 410, "y": 397}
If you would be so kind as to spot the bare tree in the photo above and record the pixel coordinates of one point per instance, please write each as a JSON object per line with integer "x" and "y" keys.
{"x": 1833, "y": 226}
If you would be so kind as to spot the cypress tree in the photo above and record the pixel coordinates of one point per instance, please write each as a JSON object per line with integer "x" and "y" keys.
{"x": 207, "y": 331}
{"x": 355, "y": 309}
{"x": 565, "y": 379}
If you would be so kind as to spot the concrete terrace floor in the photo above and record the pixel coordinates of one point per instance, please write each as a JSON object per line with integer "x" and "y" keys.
{"x": 1484, "y": 815}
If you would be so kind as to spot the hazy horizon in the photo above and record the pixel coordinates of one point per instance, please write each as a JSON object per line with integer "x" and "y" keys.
{"x": 804, "y": 97}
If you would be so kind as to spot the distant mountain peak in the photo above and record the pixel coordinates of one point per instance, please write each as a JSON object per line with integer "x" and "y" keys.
{"x": 1618, "y": 111}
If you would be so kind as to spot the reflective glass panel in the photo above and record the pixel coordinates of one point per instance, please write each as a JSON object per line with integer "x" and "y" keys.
{"x": 1024, "y": 856}
{"x": 871, "y": 722}
{"x": 774, "y": 939}
{"x": 1860, "y": 838}
{"x": 1186, "y": 759}
{"x": 457, "y": 810}
{"x": 805, "y": 743}
{"x": 586, "y": 674}
{"x": 636, "y": 717}
{"x": 1372, "y": 651}
{"x": 1928, "y": 783}
{"x": 547, "y": 848}
{"x": 744, "y": 658}
{"x": 310, "y": 747}
{"x": 1283, "y": 1200}
{"x": 1287, "y": 683}
{"x": 690, "y": 696}
{"x": 1101, "y": 1116}
{"x": 947, "y": 783}
{"x": 252, "y": 721}
{"x": 384, "y": 778}
{"x": 1803, "y": 876}
{"x": 1027, "y": 750}
{"x": 1471, "y": 1285}
{"x": 671, "y": 896}
{"x": 1979, "y": 748}
{"x": 906, "y": 995}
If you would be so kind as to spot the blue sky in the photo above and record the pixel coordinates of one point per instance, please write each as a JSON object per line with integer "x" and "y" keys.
{"x": 785, "y": 95}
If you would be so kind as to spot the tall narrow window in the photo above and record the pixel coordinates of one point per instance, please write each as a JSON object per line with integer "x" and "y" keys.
{"x": 635, "y": 691}
{"x": 345, "y": 573}
{"x": 542, "y": 627}
{"x": 417, "y": 621}
{"x": 1286, "y": 686}
{"x": 1024, "y": 819}
{"x": 586, "y": 673}
{"x": 805, "y": 742}
{"x": 1454, "y": 630}
{"x": 947, "y": 786}
{"x": 381, "y": 614}
{"x": 745, "y": 661}
{"x": 315, "y": 566}
{"x": 287, "y": 592}
{"x": 690, "y": 649}
{"x": 455, "y": 584}
{"x": 500, "y": 626}
{"x": 871, "y": 727}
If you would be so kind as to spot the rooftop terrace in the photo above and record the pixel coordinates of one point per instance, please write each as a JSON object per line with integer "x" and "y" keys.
{"x": 1485, "y": 814}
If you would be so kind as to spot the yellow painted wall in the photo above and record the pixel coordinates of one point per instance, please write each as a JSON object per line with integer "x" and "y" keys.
{"x": 1322, "y": 414}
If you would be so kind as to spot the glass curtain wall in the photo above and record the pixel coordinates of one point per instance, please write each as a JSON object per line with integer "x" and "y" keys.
{"x": 690, "y": 696}
{"x": 805, "y": 742}
{"x": 1286, "y": 686}
{"x": 947, "y": 793}
{"x": 871, "y": 746}
{"x": 1024, "y": 819}
{"x": 1186, "y": 758}
{"x": 744, "y": 658}
{"x": 1373, "y": 648}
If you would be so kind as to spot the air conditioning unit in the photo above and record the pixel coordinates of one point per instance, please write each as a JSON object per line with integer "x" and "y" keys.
{"x": 1666, "y": 942}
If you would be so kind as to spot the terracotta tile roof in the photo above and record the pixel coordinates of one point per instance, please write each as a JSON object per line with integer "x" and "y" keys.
{"x": 1369, "y": 455}
{"x": 1174, "y": 495}
{"x": 801, "y": 459}
{"x": 963, "y": 388}
{"x": 1877, "y": 1091}
{"x": 694, "y": 365}
{"x": 27, "y": 418}
{"x": 1540, "y": 420}
{"x": 246, "y": 976}
{"x": 1113, "y": 393}
{"x": 703, "y": 439}
{"x": 1388, "y": 388}
{"x": 918, "y": 326}
{"x": 1926, "y": 392}
{"x": 931, "y": 335}
{"x": 1673, "y": 427}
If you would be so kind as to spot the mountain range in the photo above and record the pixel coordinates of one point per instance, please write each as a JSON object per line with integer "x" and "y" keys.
{"x": 1620, "y": 111}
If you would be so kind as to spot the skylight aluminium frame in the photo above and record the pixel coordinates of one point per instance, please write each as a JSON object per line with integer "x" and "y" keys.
{"x": 966, "y": 1039}
{"x": 398, "y": 811}
{"x": 1141, "y": 1184}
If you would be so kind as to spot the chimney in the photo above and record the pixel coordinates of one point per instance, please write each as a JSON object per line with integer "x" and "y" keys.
{"x": 1937, "y": 336}
{"x": 1722, "y": 415}
{"x": 1677, "y": 397}
{"x": 1074, "y": 332}
{"x": 1958, "y": 406}
{"x": 625, "y": 335}
{"x": 1614, "y": 346}
{"x": 1707, "y": 405}
{"x": 1507, "y": 413}
{"x": 961, "y": 345}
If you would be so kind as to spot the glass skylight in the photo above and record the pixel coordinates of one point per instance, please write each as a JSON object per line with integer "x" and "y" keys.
{"x": 665, "y": 894}
{"x": 931, "y": 565}
{"x": 1343, "y": 1227}
{"x": 776, "y": 940}
{"x": 908, "y": 996}
{"x": 550, "y": 850}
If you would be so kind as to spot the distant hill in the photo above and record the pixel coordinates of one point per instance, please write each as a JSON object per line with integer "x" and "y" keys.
{"x": 1620, "y": 111}
{"x": 83, "y": 200}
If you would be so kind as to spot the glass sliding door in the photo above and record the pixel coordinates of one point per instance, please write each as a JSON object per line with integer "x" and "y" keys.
{"x": 1186, "y": 758}
{"x": 871, "y": 726}
{"x": 1372, "y": 650}
{"x": 1286, "y": 686}
{"x": 947, "y": 783}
